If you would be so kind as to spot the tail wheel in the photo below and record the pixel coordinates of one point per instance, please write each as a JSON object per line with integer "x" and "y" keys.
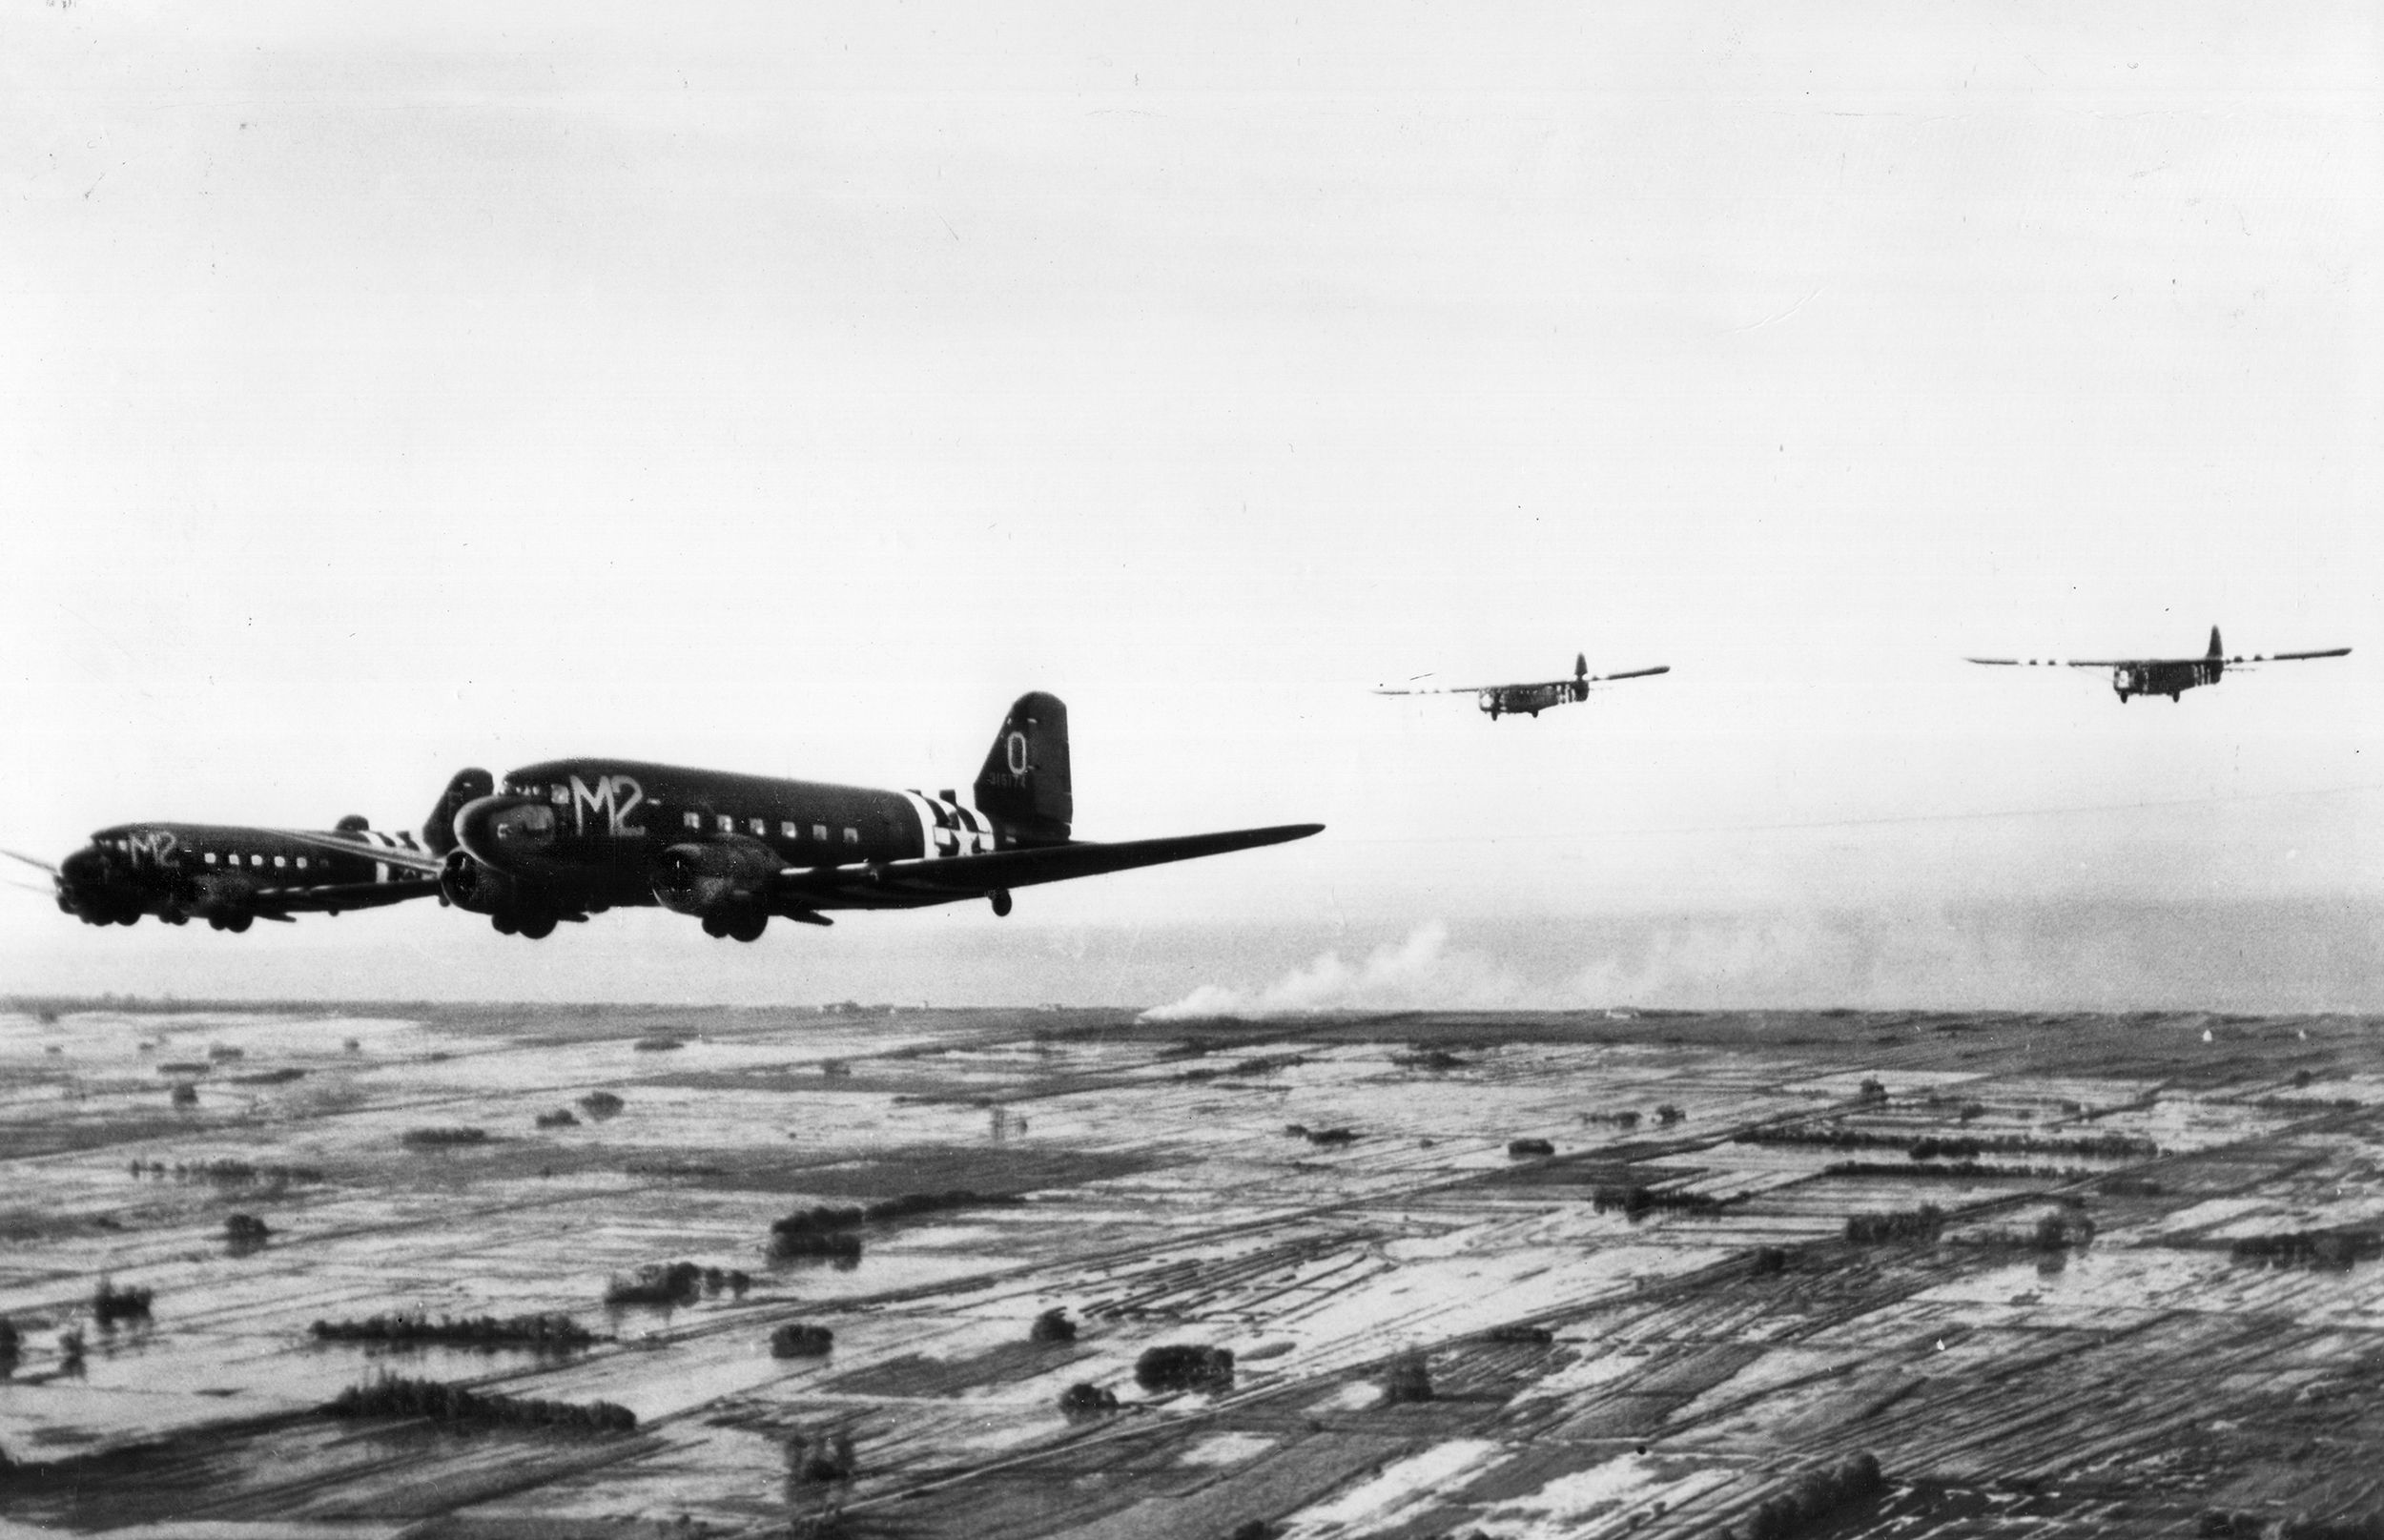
{"x": 235, "y": 923}
{"x": 538, "y": 927}
{"x": 748, "y": 926}
{"x": 715, "y": 927}
{"x": 1000, "y": 900}
{"x": 502, "y": 924}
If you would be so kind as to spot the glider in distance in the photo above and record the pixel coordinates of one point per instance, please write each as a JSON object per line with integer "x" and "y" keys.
{"x": 2172, "y": 677}
{"x": 1532, "y": 699}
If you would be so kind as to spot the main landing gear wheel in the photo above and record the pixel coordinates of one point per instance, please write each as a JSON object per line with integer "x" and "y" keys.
{"x": 538, "y": 927}
{"x": 999, "y": 898}
{"x": 748, "y": 927}
{"x": 235, "y": 923}
{"x": 715, "y": 927}
{"x": 502, "y": 924}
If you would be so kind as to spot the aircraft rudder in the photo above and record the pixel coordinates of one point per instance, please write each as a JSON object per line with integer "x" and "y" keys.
{"x": 2216, "y": 651}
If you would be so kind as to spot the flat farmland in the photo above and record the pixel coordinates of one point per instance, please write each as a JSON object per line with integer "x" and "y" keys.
{"x": 1519, "y": 1275}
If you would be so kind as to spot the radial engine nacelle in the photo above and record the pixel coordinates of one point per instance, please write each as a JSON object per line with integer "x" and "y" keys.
{"x": 714, "y": 876}
{"x": 469, "y": 884}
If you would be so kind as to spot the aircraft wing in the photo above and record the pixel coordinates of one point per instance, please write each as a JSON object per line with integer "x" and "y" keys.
{"x": 280, "y": 903}
{"x": 1534, "y": 683}
{"x": 412, "y": 860}
{"x": 2075, "y": 663}
{"x": 2296, "y": 657}
{"x": 1456, "y": 690}
{"x": 1632, "y": 673}
{"x": 968, "y": 876}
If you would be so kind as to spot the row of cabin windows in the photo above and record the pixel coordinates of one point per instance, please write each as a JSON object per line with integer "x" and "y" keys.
{"x": 788, "y": 828}
{"x": 233, "y": 860}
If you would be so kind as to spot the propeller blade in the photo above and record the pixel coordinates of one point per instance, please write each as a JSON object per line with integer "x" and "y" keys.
{"x": 30, "y": 861}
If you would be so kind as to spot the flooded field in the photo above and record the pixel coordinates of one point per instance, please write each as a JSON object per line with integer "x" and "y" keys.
{"x": 1518, "y": 1275}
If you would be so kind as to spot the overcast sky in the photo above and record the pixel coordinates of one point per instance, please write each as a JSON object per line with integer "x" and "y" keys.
{"x": 781, "y": 390}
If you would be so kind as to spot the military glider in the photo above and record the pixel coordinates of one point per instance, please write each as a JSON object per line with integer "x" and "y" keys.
{"x": 2172, "y": 677}
{"x": 1532, "y": 699}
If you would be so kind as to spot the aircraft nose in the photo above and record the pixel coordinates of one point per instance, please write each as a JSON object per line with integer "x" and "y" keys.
{"x": 499, "y": 831}
{"x": 87, "y": 865}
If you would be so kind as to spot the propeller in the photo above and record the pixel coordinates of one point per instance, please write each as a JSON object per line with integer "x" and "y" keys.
{"x": 30, "y": 861}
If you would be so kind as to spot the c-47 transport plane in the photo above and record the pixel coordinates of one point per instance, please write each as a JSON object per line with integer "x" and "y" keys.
{"x": 573, "y": 837}
{"x": 2172, "y": 677}
{"x": 229, "y": 875}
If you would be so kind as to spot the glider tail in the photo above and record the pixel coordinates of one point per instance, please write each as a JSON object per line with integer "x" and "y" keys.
{"x": 2215, "y": 649}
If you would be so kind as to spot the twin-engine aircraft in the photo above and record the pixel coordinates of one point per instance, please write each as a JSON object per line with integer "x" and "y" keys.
{"x": 571, "y": 837}
{"x": 229, "y": 875}
{"x": 2172, "y": 677}
{"x": 1530, "y": 700}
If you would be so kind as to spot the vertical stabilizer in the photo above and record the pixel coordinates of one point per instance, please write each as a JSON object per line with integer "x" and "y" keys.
{"x": 1025, "y": 778}
{"x": 438, "y": 828}
{"x": 2215, "y": 649}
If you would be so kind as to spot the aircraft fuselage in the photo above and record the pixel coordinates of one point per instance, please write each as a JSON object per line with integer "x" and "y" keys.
{"x": 2170, "y": 678}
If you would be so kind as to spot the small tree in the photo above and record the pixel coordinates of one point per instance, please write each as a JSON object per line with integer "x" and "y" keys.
{"x": 1053, "y": 1326}
{"x": 1408, "y": 1379}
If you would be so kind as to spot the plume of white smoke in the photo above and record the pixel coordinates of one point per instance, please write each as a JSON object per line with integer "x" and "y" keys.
{"x": 1419, "y": 973}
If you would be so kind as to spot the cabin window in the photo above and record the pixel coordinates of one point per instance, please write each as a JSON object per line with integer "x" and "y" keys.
{"x": 789, "y": 830}
{"x": 853, "y": 836}
{"x": 209, "y": 859}
{"x": 301, "y": 861}
{"x": 692, "y": 820}
{"x": 280, "y": 861}
{"x": 727, "y": 825}
{"x": 761, "y": 826}
{"x": 819, "y": 831}
{"x": 256, "y": 860}
{"x": 559, "y": 795}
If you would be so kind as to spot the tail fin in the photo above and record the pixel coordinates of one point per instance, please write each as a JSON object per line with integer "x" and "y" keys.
{"x": 1025, "y": 778}
{"x": 1580, "y": 665}
{"x": 438, "y": 829}
{"x": 2215, "y": 649}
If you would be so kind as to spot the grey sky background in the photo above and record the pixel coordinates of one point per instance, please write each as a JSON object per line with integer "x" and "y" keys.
{"x": 780, "y": 391}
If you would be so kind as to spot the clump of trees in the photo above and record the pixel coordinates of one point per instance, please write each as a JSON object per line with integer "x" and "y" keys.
{"x": 601, "y": 1104}
{"x": 1079, "y": 1402}
{"x": 656, "y": 1045}
{"x": 442, "y": 1138}
{"x": 665, "y": 1284}
{"x": 544, "y": 1333}
{"x": 2331, "y": 1250}
{"x": 825, "y": 1229}
{"x": 560, "y": 1118}
{"x": 1923, "y": 1224}
{"x": 1439, "y": 1061}
{"x": 279, "y": 1077}
{"x": 1667, "y": 1114}
{"x": 1184, "y": 1366}
{"x": 185, "y": 1094}
{"x": 406, "y": 1396}
{"x": 1623, "y": 1118}
{"x": 246, "y": 1231}
{"x": 1536, "y": 1336}
{"x": 1408, "y": 1379}
{"x": 70, "y": 1347}
{"x": 1053, "y": 1326}
{"x": 801, "y": 1340}
{"x": 1770, "y": 1262}
{"x": 1519, "y": 1149}
{"x": 1958, "y": 1146}
{"x": 1816, "y": 1499}
{"x": 1332, "y": 1137}
{"x": 12, "y": 1345}
{"x": 1636, "y": 1200}
{"x": 225, "y": 1172}
{"x": 109, "y": 1304}
{"x": 820, "y": 1458}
